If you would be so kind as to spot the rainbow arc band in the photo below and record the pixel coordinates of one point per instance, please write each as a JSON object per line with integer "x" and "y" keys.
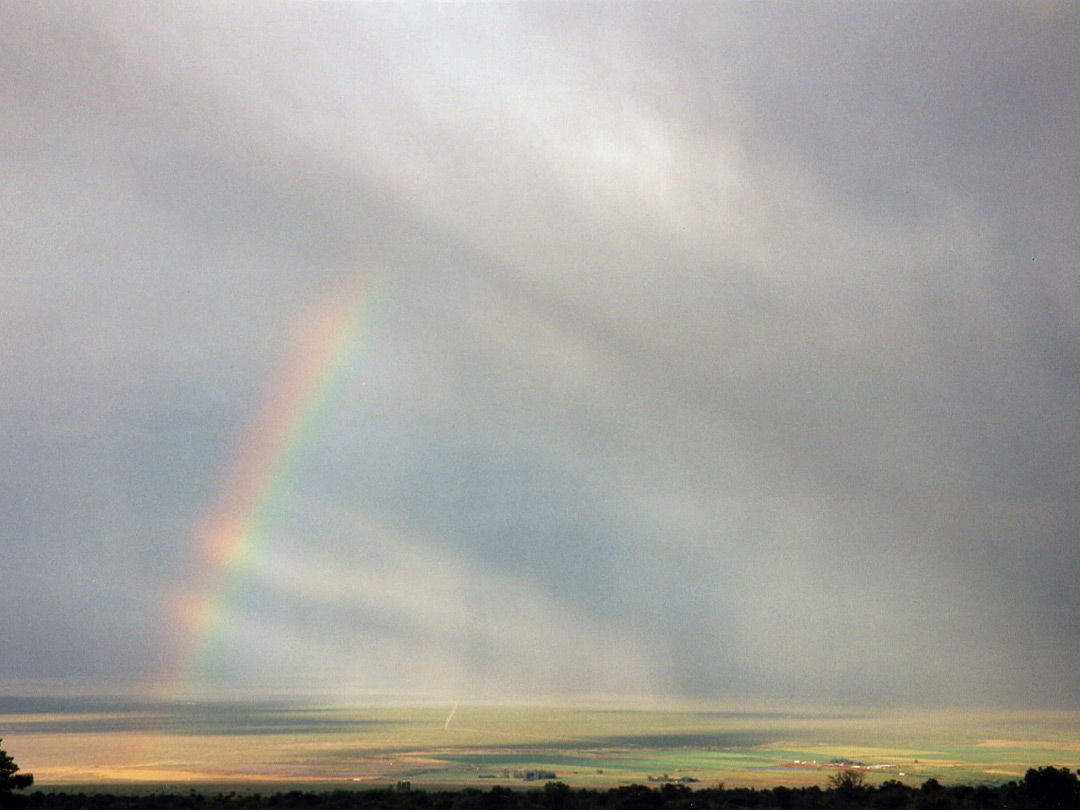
{"x": 308, "y": 396}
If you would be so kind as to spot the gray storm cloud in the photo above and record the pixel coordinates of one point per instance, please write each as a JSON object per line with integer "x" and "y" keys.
{"x": 719, "y": 350}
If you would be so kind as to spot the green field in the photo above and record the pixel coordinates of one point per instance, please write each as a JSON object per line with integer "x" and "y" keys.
{"x": 69, "y": 743}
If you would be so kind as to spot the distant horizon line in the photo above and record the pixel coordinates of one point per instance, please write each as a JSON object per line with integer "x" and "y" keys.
{"x": 97, "y": 691}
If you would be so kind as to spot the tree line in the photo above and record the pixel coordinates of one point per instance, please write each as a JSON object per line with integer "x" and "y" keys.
{"x": 1047, "y": 788}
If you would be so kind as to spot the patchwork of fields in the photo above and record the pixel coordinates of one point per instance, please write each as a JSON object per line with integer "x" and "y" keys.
{"x": 67, "y": 742}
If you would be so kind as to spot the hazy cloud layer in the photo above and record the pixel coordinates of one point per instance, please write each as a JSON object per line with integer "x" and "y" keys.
{"x": 709, "y": 350}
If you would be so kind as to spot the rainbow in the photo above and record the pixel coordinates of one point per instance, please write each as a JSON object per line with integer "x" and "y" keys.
{"x": 232, "y": 538}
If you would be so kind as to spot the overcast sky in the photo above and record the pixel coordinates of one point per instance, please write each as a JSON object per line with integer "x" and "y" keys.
{"x": 711, "y": 350}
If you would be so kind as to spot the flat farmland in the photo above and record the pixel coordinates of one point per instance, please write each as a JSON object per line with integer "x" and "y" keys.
{"x": 180, "y": 745}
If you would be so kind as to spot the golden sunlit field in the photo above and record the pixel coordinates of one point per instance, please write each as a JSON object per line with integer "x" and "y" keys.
{"x": 193, "y": 744}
